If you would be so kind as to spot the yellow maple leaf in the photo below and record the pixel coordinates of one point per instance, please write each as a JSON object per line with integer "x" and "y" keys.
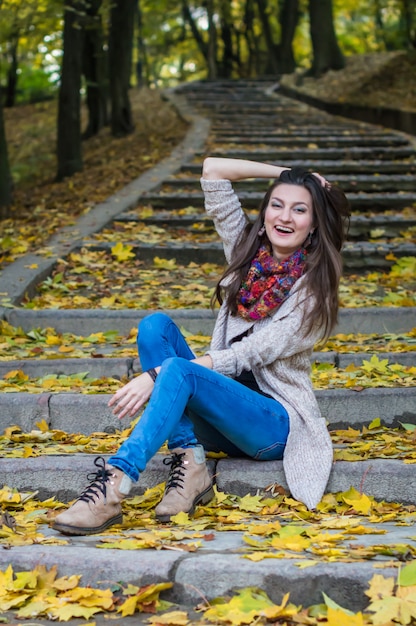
{"x": 181, "y": 519}
{"x": 19, "y": 375}
{"x": 167, "y": 264}
{"x": 128, "y": 607}
{"x": 43, "y": 426}
{"x": 53, "y": 340}
{"x": 360, "y": 502}
{"x": 9, "y": 496}
{"x": 122, "y": 252}
{"x": 390, "y": 608}
{"x": 250, "y": 503}
{"x": 306, "y": 563}
{"x": 34, "y": 608}
{"x": 64, "y": 583}
{"x": 68, "y": 610}
{"x": 280, "y": 610}
{"x": 338, "y": 617}
{"x": 380, "y": 587}
{"x": 173, "y": 618}
{"x": 6, "y": 580}
{"x": 107, "y": 301}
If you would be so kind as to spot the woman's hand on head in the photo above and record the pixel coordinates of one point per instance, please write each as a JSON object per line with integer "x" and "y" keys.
{"x": 129, "y": 399}
{"x": 325, "y": 184}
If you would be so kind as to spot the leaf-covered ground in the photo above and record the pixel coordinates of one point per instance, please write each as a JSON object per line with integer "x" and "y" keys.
{"x": 47, "y": 343}
{"x": 271, "y": 524}
{"x": 372, "y": 442}
{"x": 42, "y": 205}
{"x": 372, "y": 373}
{"x": 117, "y": 279}
{"x": 202, "y": 231}
{"x": 385, "y": 79}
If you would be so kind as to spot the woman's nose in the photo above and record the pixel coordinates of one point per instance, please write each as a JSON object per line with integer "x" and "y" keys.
{"x": 285, "y": 215}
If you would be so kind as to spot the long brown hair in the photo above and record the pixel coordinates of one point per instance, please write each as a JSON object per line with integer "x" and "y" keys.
{"x": 323, "y": 261}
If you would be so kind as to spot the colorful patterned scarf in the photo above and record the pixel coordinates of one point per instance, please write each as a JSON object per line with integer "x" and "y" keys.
{"x": 268, "y": 283}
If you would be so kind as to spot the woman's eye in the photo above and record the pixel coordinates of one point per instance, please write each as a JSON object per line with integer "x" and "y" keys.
{"x": 300, "y": 209}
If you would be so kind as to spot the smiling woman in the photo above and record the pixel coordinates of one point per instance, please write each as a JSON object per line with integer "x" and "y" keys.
{"x": 250, "y": 394}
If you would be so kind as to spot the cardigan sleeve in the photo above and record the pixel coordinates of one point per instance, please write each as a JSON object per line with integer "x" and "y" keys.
{"x": 224, "y": 207}
{"x": 281, "y": 338}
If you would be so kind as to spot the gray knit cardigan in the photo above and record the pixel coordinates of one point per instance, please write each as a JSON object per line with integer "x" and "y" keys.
{"x": 277, "y": 350}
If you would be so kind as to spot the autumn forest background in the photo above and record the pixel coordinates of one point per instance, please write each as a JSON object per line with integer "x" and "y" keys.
{"x": 81, "y": 107}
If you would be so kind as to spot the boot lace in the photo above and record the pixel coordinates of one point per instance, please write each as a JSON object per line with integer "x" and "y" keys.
{"x": 176, "y": 473}
{"x": 98, "y": 481}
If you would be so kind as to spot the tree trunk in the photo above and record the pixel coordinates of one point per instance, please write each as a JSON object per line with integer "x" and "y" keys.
{"x": 379, "y": 25}
{"x": 123, "y": 15}
{"x": 212, "y": 42}
{"x": 69, "y": 118}
{"x": 12, "y": 73}
{"x": 272, "y": 66}
{"x": 5, "y": 176}
{"x": 187, "y": 16}
{"x": 142, "y": 70}
{"x": 288, "y": 18}
{"x": 326, "y": 52}
{"x": 409, "y": 20}
{"x": 249, "y": 36}
{"x": 227, "y": 39}
{"x": 94, "y": 70}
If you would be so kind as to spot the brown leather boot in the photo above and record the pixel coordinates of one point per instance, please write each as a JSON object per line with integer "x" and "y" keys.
{"x": 188, "y": 484}
{"x": 98, "y": 507}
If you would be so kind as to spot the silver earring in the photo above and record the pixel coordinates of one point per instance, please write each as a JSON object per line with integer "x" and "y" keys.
{"x": 309, "y": 239}
{"x": 262, "y": 231}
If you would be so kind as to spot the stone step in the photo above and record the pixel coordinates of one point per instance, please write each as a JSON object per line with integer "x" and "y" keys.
{"x": 365, "y": 320}
{"x": 282, "y": 154}
{"x": 117, "y": 367}
{"x": 216, "y": 569}
{"x": 245, "y": 129}
{"x": 65, "y": 476}
{"x": 87, "y": 413}
{"x": 251, "y": 199}
{"x": 357, "y": 256}
{"x": 360, "y": 226}
{"x": 296, "y": 141}
{"x": 298, "y": 126}
{"x": 294, "y": 115}
{"x": 328, "y": 167}
{"x": 375, "y": 183}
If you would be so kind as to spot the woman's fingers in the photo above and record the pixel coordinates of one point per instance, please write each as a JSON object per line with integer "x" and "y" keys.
{"x": 322, "y": 180}
{"x": 130, "y": 398}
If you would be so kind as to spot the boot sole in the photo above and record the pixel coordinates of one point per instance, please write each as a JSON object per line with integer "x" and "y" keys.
{"x": 203, "y": 498}
{"x": 66, "y": 529}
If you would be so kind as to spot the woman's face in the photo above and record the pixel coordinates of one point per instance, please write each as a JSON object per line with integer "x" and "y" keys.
{"x": 288, "y": 219}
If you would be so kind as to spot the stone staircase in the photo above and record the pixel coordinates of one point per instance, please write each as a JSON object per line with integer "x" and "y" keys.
{"x": 377, "y": 169}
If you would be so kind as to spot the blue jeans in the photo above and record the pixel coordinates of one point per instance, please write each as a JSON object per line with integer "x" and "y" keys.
{"x": 191, "y": 404}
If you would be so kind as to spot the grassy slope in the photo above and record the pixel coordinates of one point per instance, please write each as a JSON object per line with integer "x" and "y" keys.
{"x": 386, "y": 79}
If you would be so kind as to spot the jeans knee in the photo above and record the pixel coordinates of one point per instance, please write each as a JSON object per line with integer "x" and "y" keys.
{"x": 152, "y": 326}
{"x": 175, "y": 367}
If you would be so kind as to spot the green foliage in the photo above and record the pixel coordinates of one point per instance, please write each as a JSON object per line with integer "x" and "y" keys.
{"x": 33, "y": 27}
{"x": 35, "y": 84}
{"x": 169, "y": 54}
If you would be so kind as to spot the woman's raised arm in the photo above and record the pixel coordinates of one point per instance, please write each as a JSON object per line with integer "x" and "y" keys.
{"x": 215, "y": 168}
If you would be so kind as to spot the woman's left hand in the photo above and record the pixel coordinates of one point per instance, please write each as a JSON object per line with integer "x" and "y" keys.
{"x": 129, "y": 399}
{"x": 325, "y": 184}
